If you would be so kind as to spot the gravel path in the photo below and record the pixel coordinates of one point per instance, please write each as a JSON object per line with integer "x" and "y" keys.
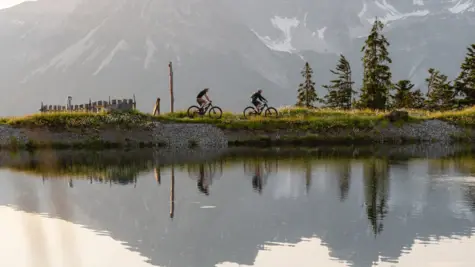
{"x": 183, "y": 134}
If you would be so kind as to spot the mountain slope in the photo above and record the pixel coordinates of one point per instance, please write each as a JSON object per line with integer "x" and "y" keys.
{"x": 118, "y": 48}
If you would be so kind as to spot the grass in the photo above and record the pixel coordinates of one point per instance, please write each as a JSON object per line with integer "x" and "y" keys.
{"x": 290, "y": 118}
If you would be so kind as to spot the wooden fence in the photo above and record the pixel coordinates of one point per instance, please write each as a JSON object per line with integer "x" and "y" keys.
{"x": 96, "y": 106}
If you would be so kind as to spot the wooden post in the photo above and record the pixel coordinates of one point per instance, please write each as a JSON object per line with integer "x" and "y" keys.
{"x": 135, "y": 103}
{"x": 172, "y": 193}
{"x": 156, "y": 108}
{"x": 41, "y": 109}
{"x": 172, "y": 99}
{"x": 158, "y": 175}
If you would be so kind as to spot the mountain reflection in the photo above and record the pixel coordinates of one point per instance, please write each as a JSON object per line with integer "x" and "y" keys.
{"x": 229, "y": 209}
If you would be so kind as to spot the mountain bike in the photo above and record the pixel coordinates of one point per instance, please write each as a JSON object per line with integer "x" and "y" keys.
{"x": 268, "y": 111}
{"x": 214, "y": 112}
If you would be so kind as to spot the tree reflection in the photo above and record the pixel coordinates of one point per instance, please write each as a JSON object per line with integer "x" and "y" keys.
{"x": 308, "y": 174}
{"x": 376, "y": 179}
{"x": 343, "y": 173}
{"x": 260, "y": 169}
{"x": 204, "y": 173}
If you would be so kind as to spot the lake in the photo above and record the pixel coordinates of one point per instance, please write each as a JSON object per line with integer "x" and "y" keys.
{"x": 376, "y": 206}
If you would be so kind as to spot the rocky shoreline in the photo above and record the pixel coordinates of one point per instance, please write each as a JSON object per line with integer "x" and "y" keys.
{"x": 206, "y": 136}
{"x": 427, "y": 131}
{"x": 170, "y": 135}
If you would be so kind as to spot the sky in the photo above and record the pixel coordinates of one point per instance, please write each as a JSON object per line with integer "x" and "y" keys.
{"x": 9, "y": 3}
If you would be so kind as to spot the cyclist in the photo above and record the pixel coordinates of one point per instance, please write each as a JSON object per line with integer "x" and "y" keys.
{"x": 256, "y": 99}
{"x": 200, "y": 100}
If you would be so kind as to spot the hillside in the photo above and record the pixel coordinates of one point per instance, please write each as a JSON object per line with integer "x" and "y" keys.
{"x": 99, "y": 48}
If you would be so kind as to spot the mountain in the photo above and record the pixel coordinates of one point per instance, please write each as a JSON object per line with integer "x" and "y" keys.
{"x": 101, "y": 48}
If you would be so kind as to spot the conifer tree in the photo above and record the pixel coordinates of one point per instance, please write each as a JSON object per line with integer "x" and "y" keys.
{"x": 465, "y": 82}
{"x": 307, "y": 95}
{"x": 404, "y": 97}
{"x": 376, "y": 72}
{"x": 440, "y": 91}
{"x": 340, "y": 90}
{"x": 418, "y": 100}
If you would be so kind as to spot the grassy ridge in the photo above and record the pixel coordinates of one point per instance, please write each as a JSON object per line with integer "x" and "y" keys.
{"x": 290, "y": 118}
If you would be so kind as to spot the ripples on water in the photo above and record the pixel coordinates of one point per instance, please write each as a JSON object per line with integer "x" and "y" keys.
{"x": 246, "y": 208}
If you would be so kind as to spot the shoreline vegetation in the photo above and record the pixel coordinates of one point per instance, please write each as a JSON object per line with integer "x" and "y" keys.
{"x": 295, "y": 126}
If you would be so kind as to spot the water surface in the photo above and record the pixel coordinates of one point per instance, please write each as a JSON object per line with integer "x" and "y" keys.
{"x": 248, "y": 208}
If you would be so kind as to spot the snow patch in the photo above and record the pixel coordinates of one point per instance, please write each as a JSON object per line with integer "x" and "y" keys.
{"x": 393, "y": 17}
{"x": 121, "y": 46}
{"x": 151, "y": 48}
{"x": 95, "y": 53}
{"x": 387, "y": 12}
{"x": 418, "y": 2}
{"x": 285, "y": 25}
{"x": 384, "y": 5}
{"x": 363, "y": 10}
{"x": 321, "y": 32}
{"x": 462, "y": 6}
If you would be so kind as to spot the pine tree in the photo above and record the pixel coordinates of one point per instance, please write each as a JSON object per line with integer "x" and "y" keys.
{"x": 418, "y": 100}
{"x": 440, "y": 91}
{"x": 340, "y": 90}
{"x": 465, "y": 82}
{"x": 402, "y": 97}
{"x": 307, "y": 95}
{"x": 376, "y": 73}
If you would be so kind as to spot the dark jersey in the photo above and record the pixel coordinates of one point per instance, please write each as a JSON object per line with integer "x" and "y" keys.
{"x": 201, "y": 94}
{"x": 257, "y": 96}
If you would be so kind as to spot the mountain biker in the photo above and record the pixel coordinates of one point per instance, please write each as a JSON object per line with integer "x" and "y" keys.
{"x": 256, "y": 99}
{"x": 200, "y": 100}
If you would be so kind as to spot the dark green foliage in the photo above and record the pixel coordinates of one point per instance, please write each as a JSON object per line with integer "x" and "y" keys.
{"x": 340, "y": 91}
{"x": 465, "y": 82}
{"x": 307, "y": 95}
{"x": 404, "y": 97}
{"x": 440, "y": 92}
{"x": 376, "y": 73}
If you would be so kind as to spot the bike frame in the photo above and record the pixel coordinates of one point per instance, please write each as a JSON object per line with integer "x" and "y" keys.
{"x": 206, "y": 107}
{"x": 264, "y": 107}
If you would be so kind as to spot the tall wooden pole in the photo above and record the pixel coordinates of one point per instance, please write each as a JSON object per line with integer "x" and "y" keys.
{"x": 172, "y": 99}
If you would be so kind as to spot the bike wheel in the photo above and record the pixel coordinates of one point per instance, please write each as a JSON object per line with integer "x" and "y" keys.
{"x": 249, "y": 112}
{"x": 193, "y": 112}
{"x": 271, "y": 112}
{"x": 215, "y": 113}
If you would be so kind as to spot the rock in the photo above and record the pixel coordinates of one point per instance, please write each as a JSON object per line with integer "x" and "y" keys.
{"x": 398, "y": 115}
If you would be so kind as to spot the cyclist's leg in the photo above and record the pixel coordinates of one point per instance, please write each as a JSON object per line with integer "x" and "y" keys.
{"x": 201, "y": 103}
{"x": 255, "y": 103}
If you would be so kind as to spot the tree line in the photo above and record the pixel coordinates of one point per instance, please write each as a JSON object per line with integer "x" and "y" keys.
{"x": 378, "y": 90}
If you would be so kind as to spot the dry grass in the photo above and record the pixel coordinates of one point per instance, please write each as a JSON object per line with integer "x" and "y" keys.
{"x": 289, "y": 118}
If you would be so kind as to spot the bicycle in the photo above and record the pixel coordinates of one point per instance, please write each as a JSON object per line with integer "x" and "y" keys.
{"x": 268, "y": 111}
{"x": 214, "y": 112}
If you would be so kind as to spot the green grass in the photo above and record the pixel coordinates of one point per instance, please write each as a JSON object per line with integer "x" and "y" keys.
{"x": 80, "y": 120}
{"x": 290, "y": 118}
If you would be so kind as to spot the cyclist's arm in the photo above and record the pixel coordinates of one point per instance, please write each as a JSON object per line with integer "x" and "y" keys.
{"x": 263, "y": 99}
{"x": 207, "y": 97}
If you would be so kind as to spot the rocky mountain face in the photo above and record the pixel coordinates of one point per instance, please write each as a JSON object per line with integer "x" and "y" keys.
{"x": 99, "y": 48}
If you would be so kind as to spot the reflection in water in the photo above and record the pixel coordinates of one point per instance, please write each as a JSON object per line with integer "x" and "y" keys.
{"x": 45, "y": 249}
{"x": 376, "y": 178}
{"x": 324, "y": 218}
{"x": 205, "y": 173}
{"x": 259, "y": 170}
